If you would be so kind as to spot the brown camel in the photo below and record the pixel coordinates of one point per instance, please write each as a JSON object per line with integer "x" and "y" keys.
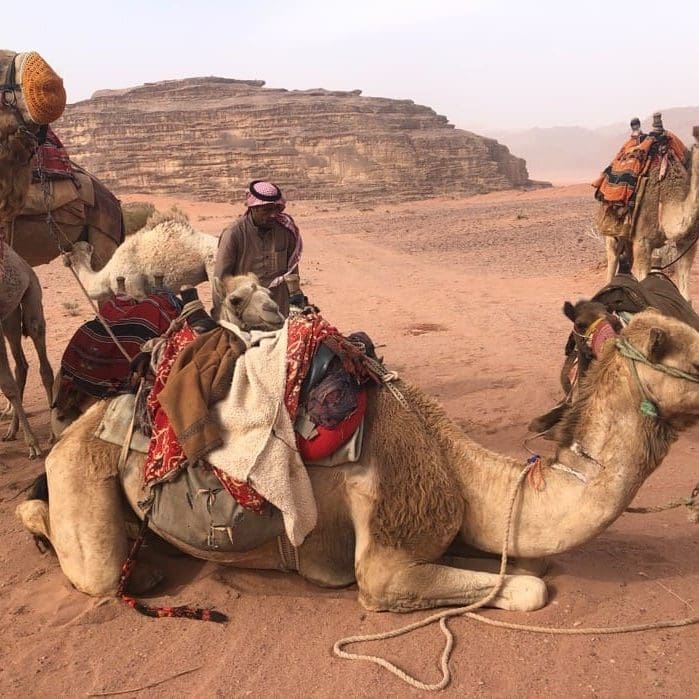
{"x": 92, "y": 214}
{"x": 21, "y": 312}
{"x": 33, "y": 97}
{"x": 668, "y": 213}
{"x": 420, "y": 484}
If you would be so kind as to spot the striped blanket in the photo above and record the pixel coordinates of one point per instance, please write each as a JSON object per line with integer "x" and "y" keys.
{"x": 51, "y": 159}
{"x": 617, "y": 183}
{"x": 92, "y": 362}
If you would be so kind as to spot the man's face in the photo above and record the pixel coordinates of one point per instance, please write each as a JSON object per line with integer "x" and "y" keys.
{"x": 262, "y": 216}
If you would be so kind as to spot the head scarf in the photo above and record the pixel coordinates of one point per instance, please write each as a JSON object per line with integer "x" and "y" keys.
{"x": 261, "y": 193}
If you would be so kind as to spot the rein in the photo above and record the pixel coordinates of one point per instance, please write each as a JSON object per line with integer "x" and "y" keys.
{"x": 633, "y": 355}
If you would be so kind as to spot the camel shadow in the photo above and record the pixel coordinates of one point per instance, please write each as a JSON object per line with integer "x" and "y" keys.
{"x": 619, "y": 558}
{"x": 181, "y": 571}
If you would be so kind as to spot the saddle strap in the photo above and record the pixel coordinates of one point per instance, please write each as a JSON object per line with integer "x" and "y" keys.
{"x": 288, "y": 553}
{"x": 126, "y": 444}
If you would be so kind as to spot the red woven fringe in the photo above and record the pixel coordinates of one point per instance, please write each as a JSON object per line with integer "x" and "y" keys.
{"x": 183, "y": 611}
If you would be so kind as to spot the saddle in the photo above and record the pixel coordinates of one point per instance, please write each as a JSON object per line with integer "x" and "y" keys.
{"x": 625, "y": 294}
{"x": 193, "y": 509}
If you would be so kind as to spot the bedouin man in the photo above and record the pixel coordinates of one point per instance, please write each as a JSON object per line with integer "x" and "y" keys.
{"x": 265, "y": 241}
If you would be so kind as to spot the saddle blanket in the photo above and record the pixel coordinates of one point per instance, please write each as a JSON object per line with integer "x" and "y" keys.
{"x": 617, "y": 184}
{"x": 93, "y": 363}
{"x": 51, "y": 159}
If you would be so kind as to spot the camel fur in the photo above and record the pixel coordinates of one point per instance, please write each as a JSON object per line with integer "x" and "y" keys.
{"x": 668, "y": 215}
{"x": 420, "y": 484}
{"x": 99, "y": 221}
{"x": 21, "y": 312}
{"x": 170, "y": 248}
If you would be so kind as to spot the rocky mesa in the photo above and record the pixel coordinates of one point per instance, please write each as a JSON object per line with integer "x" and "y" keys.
{"x": 206, "y": 138}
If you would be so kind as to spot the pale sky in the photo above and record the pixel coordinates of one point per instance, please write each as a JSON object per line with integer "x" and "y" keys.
{"x": 498, "y": 64}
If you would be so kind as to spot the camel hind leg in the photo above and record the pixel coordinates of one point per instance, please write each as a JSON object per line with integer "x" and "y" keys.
{"x": 33, "y": 324}
{"x": 12, "y": 327}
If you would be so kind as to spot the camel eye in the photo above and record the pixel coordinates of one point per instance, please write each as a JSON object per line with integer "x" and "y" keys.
{"x": 234, "y": 300}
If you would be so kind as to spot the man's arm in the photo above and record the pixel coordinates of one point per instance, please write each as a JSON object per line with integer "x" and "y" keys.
{"x": 227, "y": 253}
{"x": 226, "y": 260}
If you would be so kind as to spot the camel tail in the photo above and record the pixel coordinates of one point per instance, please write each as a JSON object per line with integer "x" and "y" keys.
{"x": 40, "y": 488}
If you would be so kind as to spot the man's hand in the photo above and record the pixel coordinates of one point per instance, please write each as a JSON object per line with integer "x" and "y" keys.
{"x": 299, "y": 303}
{"x": 298, "y": 299}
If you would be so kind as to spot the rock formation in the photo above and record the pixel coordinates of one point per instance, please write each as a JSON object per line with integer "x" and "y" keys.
{"x": 208, "y": 137}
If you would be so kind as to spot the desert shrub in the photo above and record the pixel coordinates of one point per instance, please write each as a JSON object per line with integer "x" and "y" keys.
{"x": 136, "y": 214}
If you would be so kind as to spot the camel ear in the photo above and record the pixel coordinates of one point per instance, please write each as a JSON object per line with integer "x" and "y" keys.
{"x": 615, "y": 323}
{"x": 569, "y": 311}
{"x": 657, "y": 344}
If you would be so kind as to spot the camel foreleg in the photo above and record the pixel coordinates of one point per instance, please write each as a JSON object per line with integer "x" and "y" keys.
{"x": 612, "y": 247}
{"x": 390, "y": 581}
{"x": 642, "y": 255}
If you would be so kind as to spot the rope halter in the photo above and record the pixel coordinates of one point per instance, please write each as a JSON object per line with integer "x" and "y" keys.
{"x": 633, "y": 355}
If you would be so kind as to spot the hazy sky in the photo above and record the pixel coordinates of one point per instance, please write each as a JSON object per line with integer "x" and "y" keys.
{"x": 484, "y": 64}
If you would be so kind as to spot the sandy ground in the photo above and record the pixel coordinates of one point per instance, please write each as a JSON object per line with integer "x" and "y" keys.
{"x": 464, "y": 297}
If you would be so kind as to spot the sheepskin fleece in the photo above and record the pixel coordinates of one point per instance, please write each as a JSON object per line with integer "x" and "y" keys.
{"x": 259, "y": 445}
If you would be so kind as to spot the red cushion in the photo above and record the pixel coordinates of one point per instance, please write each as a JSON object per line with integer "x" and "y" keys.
{"x": 329, "y": 439}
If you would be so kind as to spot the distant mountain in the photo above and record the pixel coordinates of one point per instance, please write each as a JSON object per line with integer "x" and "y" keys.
{"x": 208, "y": 137}
{"x": 563, "y": 154}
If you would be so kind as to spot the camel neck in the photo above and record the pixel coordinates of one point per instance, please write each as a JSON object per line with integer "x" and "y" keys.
{"x": 587, "y": 486}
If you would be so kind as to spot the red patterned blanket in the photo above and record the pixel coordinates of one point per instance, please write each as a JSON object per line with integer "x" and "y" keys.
{"x": 92, "y": 362}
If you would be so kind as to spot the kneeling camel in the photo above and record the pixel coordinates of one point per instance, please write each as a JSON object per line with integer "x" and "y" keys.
{"x": 420, "y": 484}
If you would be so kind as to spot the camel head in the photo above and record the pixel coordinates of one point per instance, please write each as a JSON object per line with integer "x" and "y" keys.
{"x": 80, "y": 256}
{"x": 668, "y": 369}
{"x": 33, "y": 96}
{"x": 656, "y": 360}
{"x": 585, "y": 314}
{"x": 246, "y": 303}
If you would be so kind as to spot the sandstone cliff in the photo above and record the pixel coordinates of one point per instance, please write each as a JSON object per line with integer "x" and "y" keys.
{"x": 206, "y": 138}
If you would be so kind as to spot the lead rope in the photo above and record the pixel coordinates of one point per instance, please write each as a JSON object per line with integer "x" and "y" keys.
{"x": 440, "y": 616}
{"x": 55, "y": 230}
{"x": 468, "y": 611}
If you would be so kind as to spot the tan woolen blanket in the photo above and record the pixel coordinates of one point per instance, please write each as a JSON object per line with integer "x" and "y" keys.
{"x": 259, "y": 445}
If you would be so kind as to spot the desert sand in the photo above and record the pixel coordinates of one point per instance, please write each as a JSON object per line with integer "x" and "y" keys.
{"x": 464, "y": 298}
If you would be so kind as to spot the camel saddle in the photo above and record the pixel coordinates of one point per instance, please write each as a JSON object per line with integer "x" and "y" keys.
{"x": 193, "y": 509}
{"x": 625, "y": 294}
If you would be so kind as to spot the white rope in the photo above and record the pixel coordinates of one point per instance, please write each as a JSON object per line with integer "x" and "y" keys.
{"x": 441, "y": 616}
